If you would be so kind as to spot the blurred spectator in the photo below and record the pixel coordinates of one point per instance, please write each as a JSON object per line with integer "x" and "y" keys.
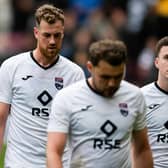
{"x": 82, "y": 39}
{"x": 5, "y": 15}
{"x": 22, "y": 10}
{"x": 84, "y": 7}
{"x": 71, "y": 26}
{"x": 81, "y": 58}
{"x": 145, "y": 61}
{"x": 137, "y": 11}
{"x": 100, "y": 26}
{"x": 162, "y": 18}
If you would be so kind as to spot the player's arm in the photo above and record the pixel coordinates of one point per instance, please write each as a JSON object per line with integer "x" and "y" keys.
{"x": 141, "y": 152}
{"x": 55, "y": 148}
{"x": 4, "y": 111}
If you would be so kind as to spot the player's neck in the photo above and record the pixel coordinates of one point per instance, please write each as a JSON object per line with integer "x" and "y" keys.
{"x": 42, "y": 60}
{"x": 163, "y": 84}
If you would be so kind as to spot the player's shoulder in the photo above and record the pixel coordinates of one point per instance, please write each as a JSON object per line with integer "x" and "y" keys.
{"x": 153, "y": 91}
{"x": 16, "y": 59}
{"x": 130, "y": 90}
{"x": 73, "y": 88}
{"x": 148, "y": 87}
{"x": 69, "y": 64}
{"x": 129, "y": 86}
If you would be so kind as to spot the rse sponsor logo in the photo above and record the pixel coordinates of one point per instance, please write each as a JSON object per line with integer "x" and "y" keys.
{"x": 44, "y": 98}
{"x": 163, "y": 138}
{"x": 43, "y": 112}
{"x": 106, "y": 144}
{"x": 108, "y": 128}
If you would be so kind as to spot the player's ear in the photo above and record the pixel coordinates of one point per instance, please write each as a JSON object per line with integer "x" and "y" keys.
{"x": 156, "y": 62}
{"x": 35, "y": 32}
{"x": 89, "y": 66}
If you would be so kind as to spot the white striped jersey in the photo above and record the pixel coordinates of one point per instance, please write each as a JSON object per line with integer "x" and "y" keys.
{"x": 30, "y": 89}
{"x": 157, "y": 123}
{"x": 99, "y": 128}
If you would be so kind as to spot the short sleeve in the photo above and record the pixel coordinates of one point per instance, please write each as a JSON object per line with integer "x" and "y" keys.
{"x": 59, "y": 117}
{"x": 6, "y": 83}
{"x": 140, "y": 121}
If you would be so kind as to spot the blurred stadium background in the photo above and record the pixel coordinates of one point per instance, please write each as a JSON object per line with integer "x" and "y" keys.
{"x": 139, "y": 23}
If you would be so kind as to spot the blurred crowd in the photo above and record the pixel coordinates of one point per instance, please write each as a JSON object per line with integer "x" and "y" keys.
{"x": 139, "y": 23}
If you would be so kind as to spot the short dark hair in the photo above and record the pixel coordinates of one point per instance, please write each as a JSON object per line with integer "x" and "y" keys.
{"x": 49, "y": 13}
{"x": 113, "y": 52}
{"x": 162, "y": 42}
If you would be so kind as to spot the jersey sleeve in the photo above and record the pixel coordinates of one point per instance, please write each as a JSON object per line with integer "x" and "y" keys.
{"x": 59, "y": 117}
{"x": 140, "y": 121}
{"x": 6, "y": 83}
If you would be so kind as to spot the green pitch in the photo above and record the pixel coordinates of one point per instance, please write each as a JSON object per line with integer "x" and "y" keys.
{"x": 2, "y": 157}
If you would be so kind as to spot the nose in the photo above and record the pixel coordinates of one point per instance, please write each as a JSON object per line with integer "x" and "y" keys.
{"x": 52, "y": 40}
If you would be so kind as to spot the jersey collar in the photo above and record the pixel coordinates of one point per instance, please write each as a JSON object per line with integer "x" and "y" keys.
{"x": 31, "y": 54}
{"x": 157, "y": 86}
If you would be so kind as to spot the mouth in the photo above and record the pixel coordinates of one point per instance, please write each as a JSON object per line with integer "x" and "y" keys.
{"x": 52, "y": 48}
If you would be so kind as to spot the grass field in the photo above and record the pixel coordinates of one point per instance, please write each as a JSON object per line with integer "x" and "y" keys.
{"x": 2, "y": 157}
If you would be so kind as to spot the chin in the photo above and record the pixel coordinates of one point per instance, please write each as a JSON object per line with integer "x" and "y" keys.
{"x": 52, "y": 54}
{"x": 108, "y": 95}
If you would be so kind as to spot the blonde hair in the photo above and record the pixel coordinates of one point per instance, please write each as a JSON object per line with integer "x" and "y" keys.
{"x": 49, "y": 13}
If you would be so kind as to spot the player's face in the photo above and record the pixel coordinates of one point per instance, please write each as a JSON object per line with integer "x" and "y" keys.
{"x": 49, "y": 38}
{"x": 161, "y": 62}
{"x": 106, "y": 78}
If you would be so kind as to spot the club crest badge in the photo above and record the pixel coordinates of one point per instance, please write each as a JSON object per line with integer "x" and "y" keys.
{"x": 59, "y": 83}
{"x": 123, "y": 109}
